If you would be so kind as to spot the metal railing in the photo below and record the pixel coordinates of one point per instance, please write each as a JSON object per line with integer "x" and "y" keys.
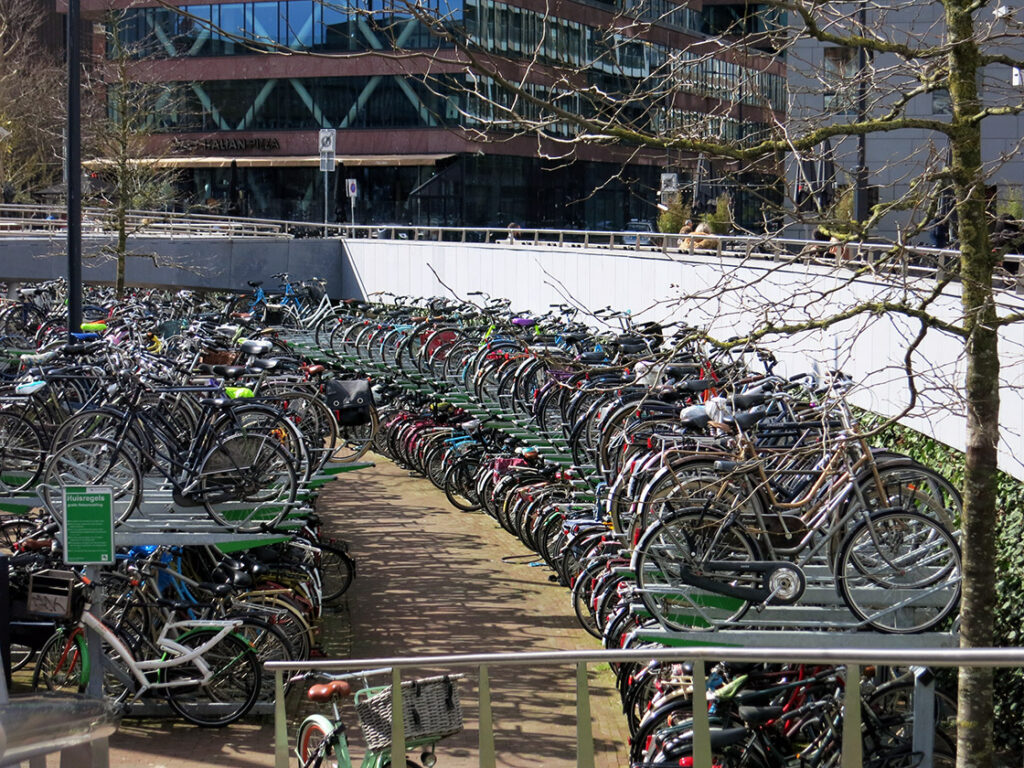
{"x": 853, "y": 659}
{"x": 904, "y": 259}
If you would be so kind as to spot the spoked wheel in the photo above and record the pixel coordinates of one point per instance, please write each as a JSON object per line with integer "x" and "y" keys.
{"x": 685, "y": 542}
{"x": 21, "y": 453}
{"x": 338, "y": 569}
{"x": 247, "y": 480}
{"x": 91, "y": 462}
{"x": 230, "y": 692}
{"x": 900, "y": 572}
{"x": 312, "y": 744}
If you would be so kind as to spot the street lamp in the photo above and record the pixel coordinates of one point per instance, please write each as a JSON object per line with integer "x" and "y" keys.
{"x": 74, "y": 169}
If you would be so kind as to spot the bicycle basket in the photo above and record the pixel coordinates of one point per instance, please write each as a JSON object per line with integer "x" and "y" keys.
{"x": 430, "y": 709}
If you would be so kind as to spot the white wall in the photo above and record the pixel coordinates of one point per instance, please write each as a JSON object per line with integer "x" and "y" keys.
{"x": 728, "y": 297}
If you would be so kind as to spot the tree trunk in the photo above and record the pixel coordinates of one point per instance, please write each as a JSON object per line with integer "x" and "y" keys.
{"x": 122, "y": 252}
{"x": 977, "y": 608}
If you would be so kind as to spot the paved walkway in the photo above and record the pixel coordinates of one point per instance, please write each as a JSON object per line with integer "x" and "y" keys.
{"x": 431, "y": 580}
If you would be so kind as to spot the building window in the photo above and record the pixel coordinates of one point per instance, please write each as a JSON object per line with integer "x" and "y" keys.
{"x": 840, "y": 75}
{"x": 940, "y": 102}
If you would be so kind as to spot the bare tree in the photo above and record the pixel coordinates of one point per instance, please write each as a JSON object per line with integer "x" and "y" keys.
{"x": 31, "y": 104}
{"x": 904, "y": 53}
{"x": 128, "y": 161}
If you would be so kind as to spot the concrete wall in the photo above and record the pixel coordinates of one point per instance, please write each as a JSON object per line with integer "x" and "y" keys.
{"x": 202, "y": 263}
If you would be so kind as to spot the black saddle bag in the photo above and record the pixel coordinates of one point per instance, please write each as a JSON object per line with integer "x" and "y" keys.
{"x": 351, "y": 401}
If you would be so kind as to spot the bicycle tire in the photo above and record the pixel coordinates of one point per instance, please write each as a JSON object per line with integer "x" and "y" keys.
{"x": 338, "y": 571}
{"x": 21, "y": 453}
{"x": 87, "y": 462}
{"x": 904, "y": 551}
{"x": 62, "y": 664}
{"x": 312, "y": 743}
{"x": 233, "y": 688}
{"x": 270, "y": 643}
{"x": 692, "y": 536}
{"x": 251, "y": 468}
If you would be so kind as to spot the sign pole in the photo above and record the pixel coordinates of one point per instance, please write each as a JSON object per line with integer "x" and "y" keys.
{"x": 328, "y": 142}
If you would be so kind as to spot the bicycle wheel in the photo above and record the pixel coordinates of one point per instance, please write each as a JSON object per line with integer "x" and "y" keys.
{"x": 900, "y": 572}
{"x": 313, "y": 745}
{"x": 682, "y": 543}
{"x": 21, "y": 453}
{"x": 460, "y": 486}
{"x": 252, "y": 469}
{"x": 230, "y": 692}
{"x": 14, "y": 530}
{"x": 338, "y": 571}
{"x": 86, "y": 462}
{"x": 355, "y": 440}
{"x": 269, "y": 643}
{"x": 62, "y": 665}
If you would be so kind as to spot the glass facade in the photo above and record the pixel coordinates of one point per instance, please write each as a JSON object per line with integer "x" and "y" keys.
{"x": 302, "y": 25}
{"x": 470, "y": 189}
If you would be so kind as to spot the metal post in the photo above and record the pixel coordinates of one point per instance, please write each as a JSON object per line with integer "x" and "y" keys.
{"x": 853, "y": 748}
{"x": 584, "y": 735}
{"x": 280, "y": 722}
{"x": 5, "y": 629}
{"x": 486, "y": 723}
{"x": 352, "y": 200}
{"x": 397, "y": 721}
{"x": 924, "y": 714}
{"x": 701, "y": 723}
{"x": 326, "y": 181}
{"x": 93, "y": 644}
{"x": 74, "y": 169}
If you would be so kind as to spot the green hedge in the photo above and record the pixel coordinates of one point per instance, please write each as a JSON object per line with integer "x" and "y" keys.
{"x": 1009, "y": 683}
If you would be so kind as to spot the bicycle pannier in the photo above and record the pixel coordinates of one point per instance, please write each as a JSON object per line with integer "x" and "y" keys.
{"x": 350, "y": 400}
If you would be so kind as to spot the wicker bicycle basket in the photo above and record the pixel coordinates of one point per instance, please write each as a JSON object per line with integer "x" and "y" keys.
{"x": 430, "y": 707}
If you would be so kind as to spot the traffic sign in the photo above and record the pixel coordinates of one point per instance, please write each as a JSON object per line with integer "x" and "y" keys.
{"x": 327, "y": 162}
{"x": 88, "y": 525}
{"x": 351, "y": 188}
{"x": 328, "y": 140}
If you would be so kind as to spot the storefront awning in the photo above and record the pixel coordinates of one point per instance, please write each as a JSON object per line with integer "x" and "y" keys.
{"x": 290, "y": 161}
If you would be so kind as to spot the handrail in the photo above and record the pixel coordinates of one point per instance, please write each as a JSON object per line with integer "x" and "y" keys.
{"x": 921, "y": 261}
{"x": 851, "y": 658}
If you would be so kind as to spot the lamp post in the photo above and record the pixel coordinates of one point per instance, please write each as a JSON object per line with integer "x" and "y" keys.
{"x": 73, "y": 160}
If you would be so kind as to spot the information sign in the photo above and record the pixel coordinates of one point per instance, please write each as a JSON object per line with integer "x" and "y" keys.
{"x": 88, "y": 525}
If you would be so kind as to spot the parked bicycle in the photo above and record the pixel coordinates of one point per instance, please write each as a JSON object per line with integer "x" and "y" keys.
{"x": 431, "y": 712}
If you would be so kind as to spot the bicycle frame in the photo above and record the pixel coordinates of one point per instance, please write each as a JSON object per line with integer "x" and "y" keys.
{"x": 145, "y": 673}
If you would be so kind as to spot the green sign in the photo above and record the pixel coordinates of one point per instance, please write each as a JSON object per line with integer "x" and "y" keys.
{"x": 88, "y": 525}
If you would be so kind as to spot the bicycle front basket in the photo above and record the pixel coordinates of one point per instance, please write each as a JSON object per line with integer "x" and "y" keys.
{"x": 430, "y": 707}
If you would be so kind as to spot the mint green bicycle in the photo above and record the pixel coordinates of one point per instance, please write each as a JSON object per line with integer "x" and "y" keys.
{"x": 430, "y": 706}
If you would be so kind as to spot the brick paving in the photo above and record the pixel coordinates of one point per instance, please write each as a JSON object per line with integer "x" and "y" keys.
{"x": 431, "y": 580}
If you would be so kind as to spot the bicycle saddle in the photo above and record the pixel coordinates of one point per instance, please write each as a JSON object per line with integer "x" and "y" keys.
{"x": 229, "y": 371}
{"x": 268, "y": 364}
{"x": 327, "y": 691}
{"x": 682, "y": 371}
{"x": 252, "y": 347}
{"x": 216, "y": 402}
{"x": 592, "y": 357}
{"x": 759, "y": 715}
{"x": 255, "y": 283}
{"x": 694, "y": 417}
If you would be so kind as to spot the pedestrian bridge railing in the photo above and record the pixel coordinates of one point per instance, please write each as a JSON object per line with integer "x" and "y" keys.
{"x": 853, "y": 659}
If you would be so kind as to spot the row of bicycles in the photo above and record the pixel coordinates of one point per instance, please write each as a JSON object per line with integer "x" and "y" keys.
{"x": 676, "y": 489}
{"x": 214, "y": 440}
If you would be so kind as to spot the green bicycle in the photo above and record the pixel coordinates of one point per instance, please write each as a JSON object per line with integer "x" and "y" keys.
{"x": 431, "y": 712}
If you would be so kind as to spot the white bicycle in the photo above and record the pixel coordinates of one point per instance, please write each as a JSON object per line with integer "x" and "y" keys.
{"x": 210, "y": 675}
